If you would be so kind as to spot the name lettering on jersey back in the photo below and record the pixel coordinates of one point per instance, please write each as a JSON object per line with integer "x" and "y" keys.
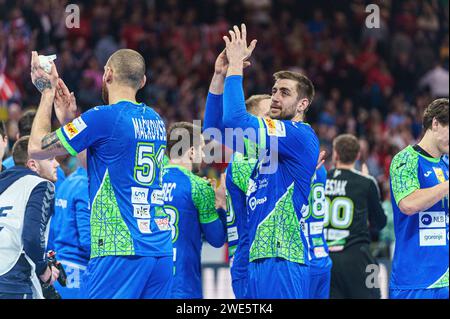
{"x": 335, "y": 188}
{"x": 167, "y": 190}
{"x": 149, "y": 129}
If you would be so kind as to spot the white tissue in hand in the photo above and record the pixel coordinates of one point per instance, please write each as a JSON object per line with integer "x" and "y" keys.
{"x": 44, "y": 61}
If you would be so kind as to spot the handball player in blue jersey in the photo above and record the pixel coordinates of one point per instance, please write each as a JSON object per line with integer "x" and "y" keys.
{"x": 131, "y": 244}
{"x": 419, "y": 195}
{"x": 237, "y": 173}
{"x": 277, "y": 199}
{"x": 190, "y": 202}
{"x": 320, "y": 261}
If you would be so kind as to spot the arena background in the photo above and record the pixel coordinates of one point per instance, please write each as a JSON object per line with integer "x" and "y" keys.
{"x": 371, "y": 82}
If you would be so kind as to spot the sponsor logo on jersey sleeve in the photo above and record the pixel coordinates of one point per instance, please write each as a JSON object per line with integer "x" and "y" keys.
{"x": 432, "y": 220}
{"x": 432, "y": 237}
{"x": 253, "y": 202}
{"x": 163, "y": 223}
{"x": 157, "y": 197}
{"x": 144, "y": 226}
{"x": 439, "y": 174}
{"x": 232, "y": 234}
{"x": 275, "y": 127}
{"x": 74, "y": 128}
{"x": 139, "y": 195}
{"x": 141, "y": 211}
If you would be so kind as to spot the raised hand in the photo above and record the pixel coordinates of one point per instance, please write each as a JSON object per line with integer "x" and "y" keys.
{"x": 65, "y": 103}
{"x": 236, "y": 49}
{"x": 42, "y": 80}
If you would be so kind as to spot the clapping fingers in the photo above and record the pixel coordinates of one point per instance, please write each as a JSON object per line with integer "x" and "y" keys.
{"x": 250, "y": 48}
{"x": 244, "y": 33}
{"x": 34, "y": 61}
{"x": 62, "y": 89}
{"x": 237, "y": 33}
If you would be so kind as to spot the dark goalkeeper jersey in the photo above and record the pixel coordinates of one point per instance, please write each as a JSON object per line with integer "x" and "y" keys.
{"x": 353, "y": 205}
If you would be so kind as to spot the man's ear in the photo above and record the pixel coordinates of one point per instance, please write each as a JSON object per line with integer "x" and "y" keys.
{"x": 434, "y": 124}
{"x": 191, "y": 154}
{"x": 358, "y": 157}
{"x": 33, "y": 165}
{"x": 108, "y": 75}
{"x": 302, "y": 105}
{"x": 144, "y": 80}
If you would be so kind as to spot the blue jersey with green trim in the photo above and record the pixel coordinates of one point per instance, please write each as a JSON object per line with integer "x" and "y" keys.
{"x": 277, "y": 195}
{"x": 278, "y": 191}
{"x": 421, "y": 247}
{"x": 190, "y": 204}
{"x": 238, "y": 174}
{"x": 314, "y": 222}
{"x": 125, "y": 145}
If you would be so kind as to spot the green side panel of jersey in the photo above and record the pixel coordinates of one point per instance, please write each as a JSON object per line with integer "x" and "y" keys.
{"x": 441, "y": 282}
{"x": 232, "y": 250}
{"x": 204, "y": 199}
{"x": 403, "y": 171}
{"x": 241, "y": 171}
{"x": 279, "y": 234}
{"x": 109, "y": 233}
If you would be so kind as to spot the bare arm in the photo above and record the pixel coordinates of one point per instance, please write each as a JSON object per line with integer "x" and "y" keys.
{"x": 422, "y": 199}
{"x": 43, "y": 143}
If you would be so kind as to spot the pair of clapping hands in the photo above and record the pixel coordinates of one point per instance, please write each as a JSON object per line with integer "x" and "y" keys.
{"x": 50, "y": 83}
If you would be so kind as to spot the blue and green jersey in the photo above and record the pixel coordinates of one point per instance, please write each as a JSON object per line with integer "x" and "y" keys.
{"x": 125, "y": 145}
{"x": 279, "y": 187}
{"x": 421, "y": 254}
{"x": 238, "y": 174}
{"x": 190, "y": 204}
{"x": 314, "y": 222}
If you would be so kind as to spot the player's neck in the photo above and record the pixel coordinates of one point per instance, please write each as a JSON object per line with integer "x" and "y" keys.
{"x": 340, "y": 165}
{"x": 429, "y": 145}
{"x": 181, "y": 162}
{"x": 121, "y": 94}
{"x": 298, "y": 117}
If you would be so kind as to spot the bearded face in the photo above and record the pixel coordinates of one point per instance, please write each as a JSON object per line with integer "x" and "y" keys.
{"x": 284, "y": 100}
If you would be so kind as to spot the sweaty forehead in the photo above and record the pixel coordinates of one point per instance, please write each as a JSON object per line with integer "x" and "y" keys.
{"x": 286, "y": 84}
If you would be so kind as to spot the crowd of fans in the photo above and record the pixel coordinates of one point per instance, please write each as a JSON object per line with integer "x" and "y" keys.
{"x": 372, "y": 82}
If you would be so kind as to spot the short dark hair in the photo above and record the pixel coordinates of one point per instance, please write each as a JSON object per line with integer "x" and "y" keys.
{"x": 128, "y": 66}
{"x": 177, "y": 133}
{"x": 437, "y": 109}
{"x": 20, "y": 151}
{"x": 347, "y": 147}
{"x": 2, "y": 129}
{"x": 253, "y": 101}
{"x": 305, "y": 88}
{"x": 26, "y": 122}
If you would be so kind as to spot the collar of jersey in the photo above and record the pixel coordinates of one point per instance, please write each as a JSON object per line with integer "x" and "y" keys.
{"x": 184, "y": 169}
{"x": 135, "y": 103}
{"x": 431, "y": 159}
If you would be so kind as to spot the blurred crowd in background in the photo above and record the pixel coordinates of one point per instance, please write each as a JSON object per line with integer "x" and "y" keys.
{"x": 374, "y": 83}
